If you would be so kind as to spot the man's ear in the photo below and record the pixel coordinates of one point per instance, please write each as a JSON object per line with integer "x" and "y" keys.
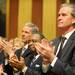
{"x": 73, "y": 22}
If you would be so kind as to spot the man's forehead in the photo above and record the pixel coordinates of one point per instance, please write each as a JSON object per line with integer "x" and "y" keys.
{"x": 65, "y": 10}
{"x": 27, "y": 28}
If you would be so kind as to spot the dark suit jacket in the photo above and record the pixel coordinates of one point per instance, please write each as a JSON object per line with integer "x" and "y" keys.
{"x": 36, "y": 65}
{"x": 66, "y": 64}
{"x": 7, "y": 68}
{"x": 25, "y": 54}
{"x": 35, "y": 68}
{"x": 28, "y": 56}
{"x": 2, "y": 57}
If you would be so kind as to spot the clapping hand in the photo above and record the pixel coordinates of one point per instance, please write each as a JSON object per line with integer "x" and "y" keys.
{"x": 46, "y": 50}
{"x": 6, "y": 47}
{"x": 17, "y": 63}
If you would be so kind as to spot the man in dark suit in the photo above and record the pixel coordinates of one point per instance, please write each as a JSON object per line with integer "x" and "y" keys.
{"x": 27, "y": 32}
{"x": 63, "y": 64}
{"x": 35, "y": 62}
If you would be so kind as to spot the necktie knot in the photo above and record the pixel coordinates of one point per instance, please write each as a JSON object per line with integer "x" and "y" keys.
{"x": 23, "y": 50}
{"x": 62, "y": 39}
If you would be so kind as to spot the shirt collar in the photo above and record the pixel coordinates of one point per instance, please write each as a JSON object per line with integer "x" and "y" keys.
{"x": 37, "y": 56}
{"x": 26, "y": 46}
{"x": 69, "y": 34}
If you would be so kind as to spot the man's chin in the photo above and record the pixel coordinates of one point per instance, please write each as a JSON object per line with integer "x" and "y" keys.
{"x": 61, "y": 27}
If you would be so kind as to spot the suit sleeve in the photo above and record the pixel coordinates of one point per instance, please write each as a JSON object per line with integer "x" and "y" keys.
{"x": 66, "y": 67}
{"x": 31, "y": 72}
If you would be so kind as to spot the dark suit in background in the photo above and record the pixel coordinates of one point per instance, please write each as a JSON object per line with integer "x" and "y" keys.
{"x": 29, "y": 56}
{"x": 35, "y": 68}
{"x": 25, "y": 54}
{"x": 7, "y": 68}
{"x": 36, "y": 65}
{"x": 2, "y": 57}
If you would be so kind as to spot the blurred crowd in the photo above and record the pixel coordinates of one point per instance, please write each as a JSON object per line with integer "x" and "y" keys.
{"x": 19, "y": 49}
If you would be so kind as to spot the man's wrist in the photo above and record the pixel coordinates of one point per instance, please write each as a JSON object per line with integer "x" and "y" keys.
{"x": 45, "y": 67}
{"x": 24, "y": 69}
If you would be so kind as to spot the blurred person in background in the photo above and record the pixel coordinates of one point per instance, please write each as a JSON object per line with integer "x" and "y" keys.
{"x": 27, "y": 31}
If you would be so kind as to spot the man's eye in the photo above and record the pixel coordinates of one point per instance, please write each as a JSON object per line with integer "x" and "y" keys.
{"x": 63, "y": 14}
{"x": 58, "y": 14}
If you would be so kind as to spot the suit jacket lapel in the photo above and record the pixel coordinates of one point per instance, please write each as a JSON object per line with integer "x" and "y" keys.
{"x": 26, "y": 53}
{"x": 66, "y": 48}
{"x": 18, "y": 52}
{"x": 68, "y": 45}
{"x": 37, "y": 61}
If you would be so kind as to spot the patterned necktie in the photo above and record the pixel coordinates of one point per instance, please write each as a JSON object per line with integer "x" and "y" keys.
{"x": 61, "y": 46}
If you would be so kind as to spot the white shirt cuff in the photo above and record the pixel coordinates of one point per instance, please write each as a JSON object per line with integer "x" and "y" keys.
{"x": 54, "y": 61}
{"x": 24, "y": 69}
{"x": 45, "y": 67}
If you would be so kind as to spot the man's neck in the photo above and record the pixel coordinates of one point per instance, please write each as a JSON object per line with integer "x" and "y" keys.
{"x": 27, "y": 42}
{"x": 67, "y": 30}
